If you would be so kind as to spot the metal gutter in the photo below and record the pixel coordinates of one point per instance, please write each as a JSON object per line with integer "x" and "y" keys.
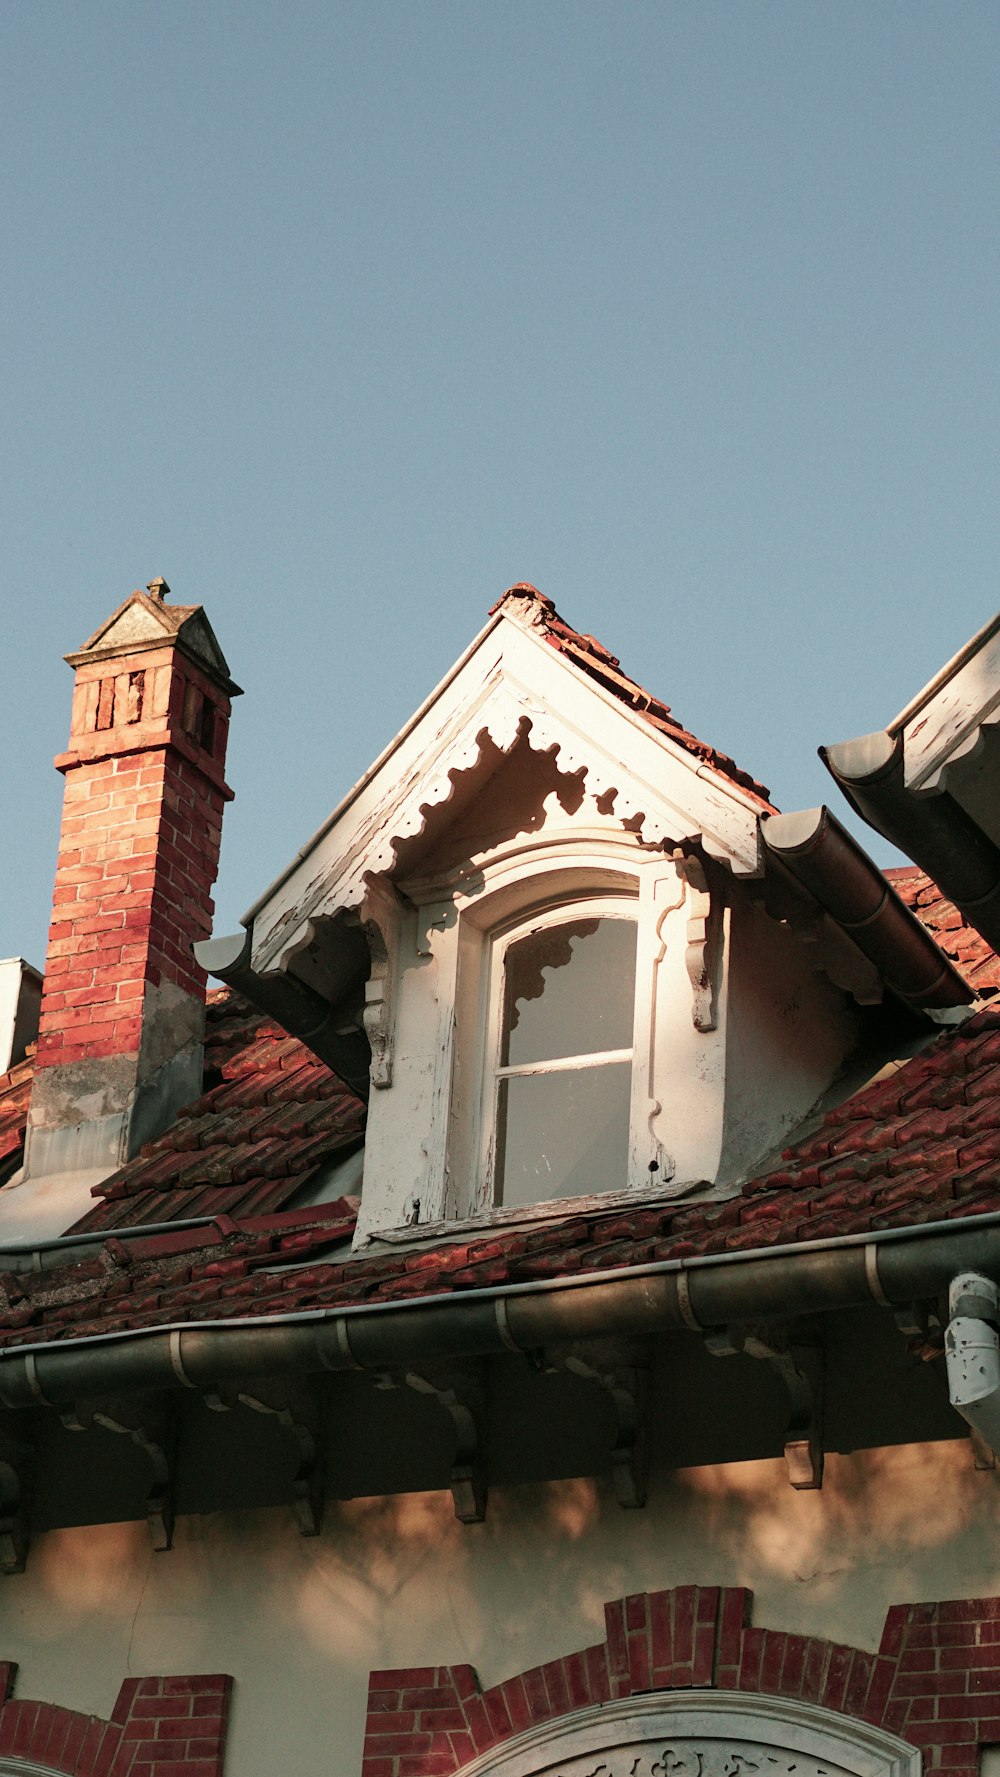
{"x": 894, "y": 1267}
{"x": 66, "y": 1249}
{"x": 932, "y": 829}
{"x": 332, "y": 1030}
{"x": 839, "y": 874}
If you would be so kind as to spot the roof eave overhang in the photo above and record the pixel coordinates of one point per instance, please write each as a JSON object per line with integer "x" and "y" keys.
{"x": 838, "y": 877}
{"x": 932, "y": 829}
{"x": 889, "y": 1268}
{"x": 927, "y": 782}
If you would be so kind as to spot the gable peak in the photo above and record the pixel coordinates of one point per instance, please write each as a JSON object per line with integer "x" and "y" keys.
{"x": 531, "y": 609}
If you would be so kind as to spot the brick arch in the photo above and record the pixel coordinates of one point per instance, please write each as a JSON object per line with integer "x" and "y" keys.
{"x": 934, "y": 1681}
{"x": 159, "y": 1727}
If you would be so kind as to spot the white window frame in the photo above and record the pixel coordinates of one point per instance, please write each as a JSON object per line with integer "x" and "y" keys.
{"x": 565, "y": 911}
{"x": 424, "y": 1145}
{"x": 557, "y": 881}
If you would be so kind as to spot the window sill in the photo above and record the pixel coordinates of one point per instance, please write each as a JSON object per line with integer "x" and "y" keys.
{"x": 420, "y": 1234}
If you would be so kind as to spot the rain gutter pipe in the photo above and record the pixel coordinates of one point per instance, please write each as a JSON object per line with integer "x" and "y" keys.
{"x": 837, "y": 873}
{"x": 932, "y": 828}
{"x": 330, "y": 1028}
{"x": 66, "y": 1249}
{"x": 892, "y": 1268}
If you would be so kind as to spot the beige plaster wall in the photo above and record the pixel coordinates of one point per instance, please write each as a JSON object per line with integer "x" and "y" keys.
{"x": 398, "y": 1581}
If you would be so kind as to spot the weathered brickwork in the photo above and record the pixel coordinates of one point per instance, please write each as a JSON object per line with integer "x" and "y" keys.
{"x": 138, "y": 849}
{"x": 159, "y": 1727}
{"x": 935, "y": 1680}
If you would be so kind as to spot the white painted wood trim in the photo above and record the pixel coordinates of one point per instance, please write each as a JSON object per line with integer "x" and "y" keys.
{"x": 510, "y": 679}
{"x": 947, "y": 725}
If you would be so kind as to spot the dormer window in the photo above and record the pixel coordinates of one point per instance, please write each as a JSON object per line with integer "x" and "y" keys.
{"x": 559, "y": 1083}
{"x": 578, "y": 991}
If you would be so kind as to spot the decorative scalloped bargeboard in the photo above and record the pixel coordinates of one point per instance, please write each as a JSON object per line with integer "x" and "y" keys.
{"x": 725, "y": 1734}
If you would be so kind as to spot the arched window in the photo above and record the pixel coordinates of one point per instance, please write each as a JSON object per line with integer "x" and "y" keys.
{"x": 557, "y": 1089}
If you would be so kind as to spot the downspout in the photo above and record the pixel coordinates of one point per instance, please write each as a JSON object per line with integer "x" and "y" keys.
{"x": 972, "y": 1351}
{"x": 893, "y": 1269}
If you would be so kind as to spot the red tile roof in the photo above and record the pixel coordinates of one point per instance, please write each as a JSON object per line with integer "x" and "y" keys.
{"x": 270, "y": 1116}
{"x": 593, "y": 658}
{"x": 921, "y": 1144}
{"x": 967, "y": 949}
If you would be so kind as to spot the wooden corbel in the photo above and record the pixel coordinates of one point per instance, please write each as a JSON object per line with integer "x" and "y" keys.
{"x": 297, "y": 1408}
{"x": 17, "y": 1457}
{"x": 799, "y": 1362}
{"x": 622, "y": 1368}
{"x": 380, "y": 917}
{"x": 463, "y": 1395}
{"x": 148, "y": 1420}
{"x": 704, "y": 949}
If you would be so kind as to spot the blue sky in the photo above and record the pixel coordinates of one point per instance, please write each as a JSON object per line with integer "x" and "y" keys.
{"x": 345, "y": 317}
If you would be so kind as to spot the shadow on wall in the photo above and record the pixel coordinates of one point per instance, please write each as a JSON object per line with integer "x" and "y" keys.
{"x": 889, "y": 1509}
{"x": 398, "y": 1581}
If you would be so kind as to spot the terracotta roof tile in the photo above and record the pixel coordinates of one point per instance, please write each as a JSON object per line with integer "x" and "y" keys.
{"x": 893, "y": 1167}
{"x": 15, "y": 1091}
{"x": 959, "y": 941}
{"x": 920, "y": 1144}
{"x": 271, "y": 1115}
{"x": 597, "y": 661}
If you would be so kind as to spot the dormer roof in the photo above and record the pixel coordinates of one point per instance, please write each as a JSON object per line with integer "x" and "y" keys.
{"x": 528, "y": 673}
{"x": 527, "y": 605}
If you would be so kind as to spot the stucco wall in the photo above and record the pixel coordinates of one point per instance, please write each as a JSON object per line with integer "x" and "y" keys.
{"x": 398, "y": 1582}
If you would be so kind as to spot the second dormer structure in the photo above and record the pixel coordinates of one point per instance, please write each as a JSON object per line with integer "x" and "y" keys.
{"x": 571, "y": 951}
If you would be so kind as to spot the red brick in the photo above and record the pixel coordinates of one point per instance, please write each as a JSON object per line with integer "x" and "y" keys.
{"x": 614, "y": 1623}
{"x": 772, "y": 1660}
{"x": 750, "y": 1660}
{"x": 498, "y": 1713}
{"x": 480, "y": 1723}
{"x": 684, "y": 1608}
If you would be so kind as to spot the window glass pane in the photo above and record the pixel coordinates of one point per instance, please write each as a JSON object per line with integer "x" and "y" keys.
{"x": 569, "y": 990}
{"x": 563, "y": 1134}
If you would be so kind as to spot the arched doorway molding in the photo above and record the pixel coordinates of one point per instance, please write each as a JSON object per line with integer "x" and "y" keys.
{"x": 29, "y": 1769}
{"x": 932, "y": 1685}
{"x": 694, "y": 1734}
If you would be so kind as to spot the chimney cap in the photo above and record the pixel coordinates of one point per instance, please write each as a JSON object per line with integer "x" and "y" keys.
{"x": 146, "y": 621}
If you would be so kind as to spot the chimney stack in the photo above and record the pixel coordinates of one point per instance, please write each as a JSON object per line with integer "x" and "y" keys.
{"x": 122, "y": 1017}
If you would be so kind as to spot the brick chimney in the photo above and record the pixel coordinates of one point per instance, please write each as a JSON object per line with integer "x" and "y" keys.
{"x": 122, "y": 1018}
